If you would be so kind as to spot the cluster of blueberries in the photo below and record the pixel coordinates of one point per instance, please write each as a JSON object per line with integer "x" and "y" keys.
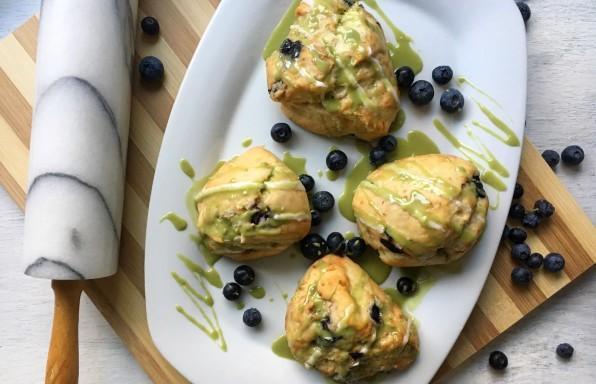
{"x": 243, "y": 276}
{"x": 151, "y": 68}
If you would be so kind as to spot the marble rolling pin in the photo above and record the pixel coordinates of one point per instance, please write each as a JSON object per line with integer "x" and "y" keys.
{"x": 78, "y": 157}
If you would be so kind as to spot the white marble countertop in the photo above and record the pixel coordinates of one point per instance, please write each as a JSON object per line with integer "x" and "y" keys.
{"x": 561, "y": 111}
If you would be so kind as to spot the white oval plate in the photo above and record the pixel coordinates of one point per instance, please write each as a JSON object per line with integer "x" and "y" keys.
{"x": 224, "y": 100}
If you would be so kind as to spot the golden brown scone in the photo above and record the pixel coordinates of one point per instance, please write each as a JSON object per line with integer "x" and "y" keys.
{"x": 336, "y": 77}
{"x": 421, "y": 210}
{"x": 343, "y": 324}
{"x": 251, "y": 207}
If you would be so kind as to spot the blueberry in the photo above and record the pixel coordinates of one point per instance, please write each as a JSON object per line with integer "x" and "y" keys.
{"x": 521, "y": 275}
{"x": 554, "y": 262}
{"x": 232, "y": 291}
{"x": 244, "y": 275}
{"x": 572, "y": 155}
{"x": 525, "y": 10}
{"x": 544, "y": 208}
{"x": 452, "y": 101}
{"x": 307, "y": 181}
{"x": 421, "y": 92}
{"x": 355, "y": 247}
{"x": 291, "y": 48}
{"x": 315, "y": 217}
{"x": 150, "y": 25}
{"x": 551, "y": 157}
{"x": 442, "y": 74}
{"x": 323, "y": 201}
{"x": 498, "y": 360}
{"x": 375, "y": 313}
{"x": 281, "y": 132}
{"x": 405, "y": 76}
{"x": 406, "y": 286}
{"x": 252, "y": 317}
{"x": 505, "y": 232}
{"x": 313, "y": 246}
{"x": 565, "y": 350}
{"x": 517, "y": 211}
{"x": 336, "y": 160}
{"x": 377, "y": 156}
{"x": 151, "y": 68}
{"x": 520, "y": 252}
{"x": 336, "y": 243}
{"x": 517, "y": 235}
{"x": 350, "y": 2}
{"x": 534, "y": 261}
{"x": 388, "y": 143}
{"x": 518, "y": 191}
{"x": 531, "y": 220}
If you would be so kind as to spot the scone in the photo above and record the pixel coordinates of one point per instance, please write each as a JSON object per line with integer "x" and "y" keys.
{"x": 253, "y": 206}
{"x": 343, "y": 324}
{"x": 333, "y": 75}
{"x": 421, "y": 210}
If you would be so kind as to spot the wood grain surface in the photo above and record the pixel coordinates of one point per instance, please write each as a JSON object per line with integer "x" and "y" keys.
{"x": 121, "y": 298}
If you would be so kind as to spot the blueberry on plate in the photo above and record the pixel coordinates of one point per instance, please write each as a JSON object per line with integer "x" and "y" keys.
{"x": 315, "y": 217}
{"x": 572, "y": 155}
{"x": 525, "y": 10}
{"x": 244, "y": 275}
{"x": 520, "y": 252}
{"x": 232, "y": 291}
{"x": 388, "y": 143}
{"x": 323, "y": 201}
{"x": 442, "y": 74}
{"x": 406, "y": 286}
{"x": 531, "y": 220}
{"x": 336, "y": 243}
{"x": 517, "y": 211}
{"x": 252, "y": 317}
{"x": 377, "y": 156}
{"x": 551, "y": 157}
{"x": 452, "y": 101}
{"x": 518, "y": 191}
{"x": 307, "y": 181}
{"x": 534, "y": 261}
{"x": 355, "y": 247}
{"x": 521, "y": 275}
{"x": 421, "y": 92}
{"x": 336, "y": 160}
{"x": 544, "y": 208}
{"x": 517, "y": 235}
{"x": 281, "y": 132}
{"x": 151, "y": 68}
{"x": 565, "y": 350}
{"x": 554, "y": 262}
{"x": 150, "y": 25}
{"x": 404, "y": 76}
{"x": 313, "y": 246}
{"x": 498, "y": 360}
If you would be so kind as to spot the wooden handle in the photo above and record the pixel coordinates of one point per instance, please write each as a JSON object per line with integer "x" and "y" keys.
{"x": 63, "y": 356}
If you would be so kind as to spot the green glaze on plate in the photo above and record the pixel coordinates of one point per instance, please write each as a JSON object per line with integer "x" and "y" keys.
{"x": 257, "y": 292}
{"x": 210, "y": 257}
{"x": 240, "y": 305}
{"x": 246, "y": 142}
{"x": 187, "y": 168}
{"x": 209, "y": 274}
{"x": 372, "y": 264}
{"x": 416, "y": 143}
{"x": 295, "y": 163}
{"x": 354, "y": 177}
{"x": 497, "y": 203}
{"x": 461, "y": 80}
{"x": 399, "y": 121}
{"x": 194, "y": 189}
{"x": 510, "y": 137}
{"x": 178, "y": 222}
{"x": 348, "y": 235}
{"x": 425, "y": 282}
{"x": 281, "y": 348}
{"x": 332, "y": 175}
{"x": 320, "y": 173}
{"x": 281, "y": 30}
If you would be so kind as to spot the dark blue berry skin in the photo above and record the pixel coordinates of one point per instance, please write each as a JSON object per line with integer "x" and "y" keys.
{"x": 421, "y": 92}
{"x": 151, "y": 68}
{"x": 307, "y": 181}
{"x": 323, "y": 201}
{"x": 355, "y": 247}
{"x": 150, "y": 25}
{"x": 534, "y": 261}
{"x": 554, "y": 262}
{"x": 404, "y": 76}
{"x": 252, "y": 317}
{"x": 551, "y": 157}
{"x": 572, "y": 155}
{"x": 517, "y": 235}
{"x": 406, "y": 286}
{"x": 442, "y": 74}
{"x": 498, "y": 360}
{"x": 281, "y": 132}
{"x": 525, "y": 10}
{"x": 518, "y": 191}
{"x": 517, "y": 211}
{"x": 377, "y": 156}
{"x": 544, "y": 208}
{"x": 565, "y": 350}
{"x": 313, "y": 246}
{"x": 315, "y": 217}
{"x": 531, "y": 220}
{"x": 232, "y": 291}
{"x": 336, "y": 160}
{"x": 520, "y": 252}
{"x": 244, "y": 275}
{"x": 521, "y": 275}
{"x": 291, "y": 48}
{"x": 388, "y": 143}
{"x": 505, "y": 234}
{"x": 336, "y": 243}
{"x": 452, "y": 101}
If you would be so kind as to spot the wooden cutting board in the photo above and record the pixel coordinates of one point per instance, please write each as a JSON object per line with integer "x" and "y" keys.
{"x": 121, "y": 298}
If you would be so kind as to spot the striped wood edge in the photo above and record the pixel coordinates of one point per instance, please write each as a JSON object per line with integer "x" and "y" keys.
{"x": 121, "y": 298}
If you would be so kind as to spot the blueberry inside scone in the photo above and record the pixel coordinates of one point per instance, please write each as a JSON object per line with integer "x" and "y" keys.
{"x": 251, "y": 207}
{"x": 422, "y": 210}
{"x": 343, "y": 324}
